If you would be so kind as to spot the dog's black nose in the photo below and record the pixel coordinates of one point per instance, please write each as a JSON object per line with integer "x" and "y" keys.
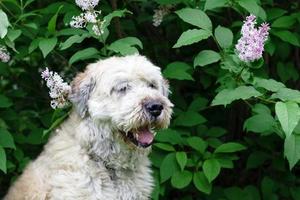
{"x": 154, "y": 108}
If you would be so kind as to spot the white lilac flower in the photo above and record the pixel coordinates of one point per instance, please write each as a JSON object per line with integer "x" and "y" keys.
{"x": 160, "y": 13}
{"x": 87, "y": 4}
{"x": 78, "y": 21}
{"x": 90, "y": 16}
{"x": 251, "y": 45}
{"x": 4, "y": 55}
{"x": 98, "y": 30}
{"x": 157, "y": 17}
{"x": 58, "y": 89}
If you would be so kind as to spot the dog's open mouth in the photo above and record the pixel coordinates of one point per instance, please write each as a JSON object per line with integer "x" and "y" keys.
{"x": 142, "y": 137}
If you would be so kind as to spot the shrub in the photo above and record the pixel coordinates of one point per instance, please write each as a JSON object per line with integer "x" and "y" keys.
{"x": 235, "y": 132}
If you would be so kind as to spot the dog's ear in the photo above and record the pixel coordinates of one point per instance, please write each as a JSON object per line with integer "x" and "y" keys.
{"x": 165, "y": 87}
{"x": 81, "y": 88}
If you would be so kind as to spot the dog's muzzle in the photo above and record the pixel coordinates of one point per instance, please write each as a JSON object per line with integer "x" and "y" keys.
{"x": 154, "y": 108}
{"x": 144, "y": 135}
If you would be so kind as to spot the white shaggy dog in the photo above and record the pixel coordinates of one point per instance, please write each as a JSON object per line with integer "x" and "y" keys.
{"x": 100, "y": 151}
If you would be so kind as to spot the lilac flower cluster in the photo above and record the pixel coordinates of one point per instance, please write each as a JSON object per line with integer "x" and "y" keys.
{"x": 87, "y": 4}
{"x": 59, "y": 90}
{"x": 159, "y": 14}
{"x": 89, "y": 15}
{"x": 251, "y": 45}
{"x": 4, "y": 55}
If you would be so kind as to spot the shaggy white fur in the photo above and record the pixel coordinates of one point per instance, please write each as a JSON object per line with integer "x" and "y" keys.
{"x": 91, "y": 155}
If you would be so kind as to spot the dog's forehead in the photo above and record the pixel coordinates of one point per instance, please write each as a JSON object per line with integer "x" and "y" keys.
{"x": 130, "y": 67}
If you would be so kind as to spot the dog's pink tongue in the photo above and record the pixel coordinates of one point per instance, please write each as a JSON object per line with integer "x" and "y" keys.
{"x": 145, "y": 136}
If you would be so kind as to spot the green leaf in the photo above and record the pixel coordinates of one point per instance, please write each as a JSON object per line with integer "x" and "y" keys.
{"x": 225, "y": 163}
{"x": 198, "y": 104}
{"x": 212, "y": 4}
{"x": 164, "y": 146}
{"x": 126, "y": 46}
{"x": 286, "y": 94}
{"x": 6, "y": 139}
{"x": 287, "y": 71}
{"x": 216, "y": 132}
{"x": 72, "y": 40}
{"x": 192, "y": 36}
{"x": 274, "y": 13}
{"x": 206, "y": 57}
{"x": 13, "y": 34}
{"x": 268, "y": 84}
{"x": 227, "y": 96}
{"x": 230, "y": 147}
{"x": 224, "y": 36}
{"x": 83, "y": 55}
{"x": 4, "y": 24}
{"x": 201, "y": 183}
{"x": 261, "y": 109}
{"x": 189, "y": 118}
{"x": 253, "y": 8}
{"x": 235, "y": 193}
{"x": 268, "y": 189}
{"x": 292, "y": 149}
{"x": 260, "y": 123}
{"x": 33, "y": 45}
{"x": 256, "y": 159}
{"x": 52, "y": 21}
{"x": 46, "y": 45}
{"x": 2, "y": 160}
{"x": 181, "y": 179}
{"x": 213, "y": 142}
{"x": 195, "y": 17}
{"x": 295, "y": 192}
{"x": 197, "y": 143}
{"x": 287, "y": 36}
{"x": 177, "y": 70}
{"x": 211, "y": 169}
{"x": 168, "y": 135}
{"x": 181, "y": 158}
{"x": 288, "y": 114}
{"x": 168, "y": 167}
{"x": 117, "y": 13}
{"x": 250, "y": 6}
{"x": 283, "y": 22}
{"x": 5, "y": 102}
{"x": 164, "y": 2}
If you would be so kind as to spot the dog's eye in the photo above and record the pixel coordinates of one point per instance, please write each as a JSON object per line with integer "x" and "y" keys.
{"x": 153, "y": 86}
{"x": 123, "y": 89}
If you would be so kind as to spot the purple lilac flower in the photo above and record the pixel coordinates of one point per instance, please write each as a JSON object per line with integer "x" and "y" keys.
{"x": 59, "y": 89}
{"x": 4, "y": 55}
{"x": 251, "y": 45}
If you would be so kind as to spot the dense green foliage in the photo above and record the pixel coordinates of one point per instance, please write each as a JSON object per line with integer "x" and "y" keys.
{"x": 235, "y": 132}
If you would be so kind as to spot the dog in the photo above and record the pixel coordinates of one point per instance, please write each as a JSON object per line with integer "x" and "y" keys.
{"x": 100, "y": 151}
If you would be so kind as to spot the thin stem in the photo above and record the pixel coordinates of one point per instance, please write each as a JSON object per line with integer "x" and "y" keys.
{"x": 21, "y": 7}
{"x": 266, "y": 100}
{"x": 247, "y": 103}
{"x": 99, "y": 26}
{"x": 220, "y": 49}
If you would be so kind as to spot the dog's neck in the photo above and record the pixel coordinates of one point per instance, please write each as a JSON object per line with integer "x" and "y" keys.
{"x": 104, "y": 145}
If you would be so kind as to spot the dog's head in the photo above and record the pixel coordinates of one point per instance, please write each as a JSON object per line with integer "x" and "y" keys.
{"x": 128, "y": 93}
